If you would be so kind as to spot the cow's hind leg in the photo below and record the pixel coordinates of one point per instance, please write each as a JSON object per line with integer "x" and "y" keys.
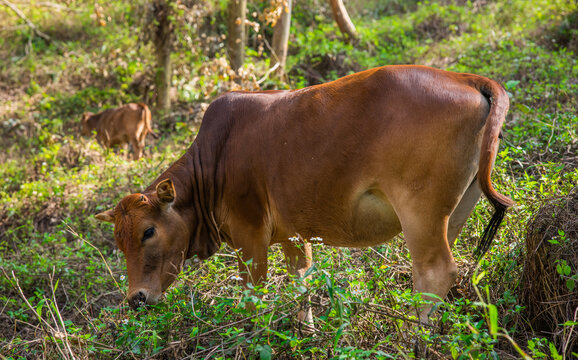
{"x": 463, "y": 210}
{"x": 299, "y": 257}
{"x": 434, "y": 269}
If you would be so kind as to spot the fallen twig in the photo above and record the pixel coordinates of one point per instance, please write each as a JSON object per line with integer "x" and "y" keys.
{"x": 75, "y": 234}
{"x": 44, "y": 324}
{"x": 57, "y": 311}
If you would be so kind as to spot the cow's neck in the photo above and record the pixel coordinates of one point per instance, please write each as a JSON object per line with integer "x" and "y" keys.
{"x": 195, "y": 200}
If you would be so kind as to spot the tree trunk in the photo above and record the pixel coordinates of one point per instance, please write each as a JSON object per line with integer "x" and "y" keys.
{"x": 236, "y": 33}
{"x": 163, "y": 38}
{"x": 163, "y": 80}
{"x": 281, "y": 38}
{"x": 342, "y": 18}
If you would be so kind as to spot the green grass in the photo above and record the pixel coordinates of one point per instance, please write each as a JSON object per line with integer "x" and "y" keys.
{"x": 63, "y": 280}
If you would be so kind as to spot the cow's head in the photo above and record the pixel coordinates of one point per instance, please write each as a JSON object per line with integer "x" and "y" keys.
{"x": 85, "y": 128}
{"x": 154, "y": 239}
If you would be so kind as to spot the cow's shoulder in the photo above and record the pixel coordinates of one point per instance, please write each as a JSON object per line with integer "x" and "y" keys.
{"x": 236, "y": 106}
{"x": 219, "y": 111}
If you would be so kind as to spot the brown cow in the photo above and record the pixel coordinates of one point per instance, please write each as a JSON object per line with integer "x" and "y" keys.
{"x": 354, "y": 161}
{"x": 126, "y": 124}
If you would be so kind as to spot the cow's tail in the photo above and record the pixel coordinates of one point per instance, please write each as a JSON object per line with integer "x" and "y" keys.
{"x": 147, "y": 118}
{"x": 499, "y": 104}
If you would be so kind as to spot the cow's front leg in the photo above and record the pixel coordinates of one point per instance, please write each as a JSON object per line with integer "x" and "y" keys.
{"x": 253, "y": 266}
{"x": 299, "y": 257}
{"x": 252, "y": 260}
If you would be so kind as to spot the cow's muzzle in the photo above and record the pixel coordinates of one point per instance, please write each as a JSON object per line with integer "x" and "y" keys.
{"x": 143, "y": 297}
{"x": 137, "y": 300}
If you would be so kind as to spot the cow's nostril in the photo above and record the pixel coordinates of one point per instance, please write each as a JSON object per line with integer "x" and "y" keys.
{"x": 137, "y": 300}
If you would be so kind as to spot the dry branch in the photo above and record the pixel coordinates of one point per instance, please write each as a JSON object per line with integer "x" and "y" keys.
{"x": 342, "y": 19}
{"x": 30, "y": 24}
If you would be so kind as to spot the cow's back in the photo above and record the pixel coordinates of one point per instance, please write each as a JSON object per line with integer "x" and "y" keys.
{"x": 319, "y": 159}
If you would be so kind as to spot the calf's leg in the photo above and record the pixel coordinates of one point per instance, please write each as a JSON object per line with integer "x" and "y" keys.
{"x": 137, "y": 148}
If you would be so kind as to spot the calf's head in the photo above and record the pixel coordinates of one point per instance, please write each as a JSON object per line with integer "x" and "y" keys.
{"x": 154, "y": 239}
{"x": 85, "y": 128}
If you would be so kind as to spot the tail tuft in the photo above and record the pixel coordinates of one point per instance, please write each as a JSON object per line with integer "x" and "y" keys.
{"x": 489, "y": 232}
{"x": 146, "y": 114}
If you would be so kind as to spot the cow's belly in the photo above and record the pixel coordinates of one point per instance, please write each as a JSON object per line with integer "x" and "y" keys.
{"x": 372, "y": 221}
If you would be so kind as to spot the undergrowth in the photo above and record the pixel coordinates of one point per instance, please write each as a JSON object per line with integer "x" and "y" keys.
{"x": 63, "y": 280}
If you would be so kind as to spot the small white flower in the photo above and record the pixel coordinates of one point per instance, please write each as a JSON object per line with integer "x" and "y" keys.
{"x": 125, "y": 321}
{"x": 294, "y": 239}
{"x": 122, "y": 277}
{"x": 316, "y": 241}
{"x": 235, "y": 277}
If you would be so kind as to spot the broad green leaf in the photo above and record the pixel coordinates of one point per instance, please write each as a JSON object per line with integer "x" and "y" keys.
{"x": 266, "y": 352}
{"x": 570, "y": 284}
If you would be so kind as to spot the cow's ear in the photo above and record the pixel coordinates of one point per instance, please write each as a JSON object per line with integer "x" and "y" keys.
{"x": 166, "y": 191}
{"x": 106, "y": 216}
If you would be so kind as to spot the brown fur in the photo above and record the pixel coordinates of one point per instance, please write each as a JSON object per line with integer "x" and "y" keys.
{"x": 354, "y": 161}
{"x": 118, "y": 127}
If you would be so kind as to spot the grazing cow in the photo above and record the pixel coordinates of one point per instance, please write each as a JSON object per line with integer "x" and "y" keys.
{"x": 354, "y": 161}
{"x": 126, "y": 124}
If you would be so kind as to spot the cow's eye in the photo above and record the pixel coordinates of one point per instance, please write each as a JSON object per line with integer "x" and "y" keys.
{"x": 148, "y": 233}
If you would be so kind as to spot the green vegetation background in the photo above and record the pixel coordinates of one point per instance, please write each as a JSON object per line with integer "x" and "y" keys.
{"x": 62, "y": 278}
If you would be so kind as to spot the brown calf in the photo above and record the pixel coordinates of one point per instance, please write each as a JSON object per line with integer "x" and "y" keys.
{"x": 126, "y": 124}
{"x": 354, "y": 161}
